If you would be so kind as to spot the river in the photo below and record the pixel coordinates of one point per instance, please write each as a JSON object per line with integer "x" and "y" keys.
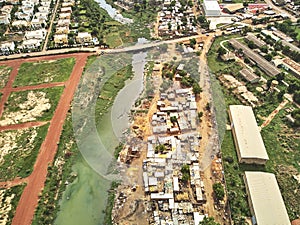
{"x": 113, "y": 13}
{"x": 85, "y": 199}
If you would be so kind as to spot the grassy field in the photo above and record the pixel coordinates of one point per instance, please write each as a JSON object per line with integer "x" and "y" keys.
{"x": 17, "y": 98}
{"x": 4, "y": 75}
{"x": 113, "y": 40}
{"x": 44, "y": 72}
{"x": 218, "y": 66}
{"x": 17, "y": 192}
{"x": 20, "y": 159}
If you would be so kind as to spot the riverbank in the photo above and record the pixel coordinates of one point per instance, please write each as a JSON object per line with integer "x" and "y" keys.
{"x": 71, "y": 180}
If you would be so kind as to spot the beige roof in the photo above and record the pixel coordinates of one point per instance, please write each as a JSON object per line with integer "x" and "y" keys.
{"x": 266, "y": 199}
{"x": 248, "y": 137}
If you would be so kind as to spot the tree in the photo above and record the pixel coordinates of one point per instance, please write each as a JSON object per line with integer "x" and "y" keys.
{"x": 219, "y": 191}
{"x": 173, "y": 119}
{"x": 160, "y": 149}
{"x": 200, "y": 114}
{"x": 185, "y": 170}
{"x": 196, "y": 88}
{"x": 251, "y": 44}
{"x": 221, "y": 51}
{"x": 208, "y": 221}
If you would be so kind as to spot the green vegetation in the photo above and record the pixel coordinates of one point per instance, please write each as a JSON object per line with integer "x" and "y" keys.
{"x": 110, "y": 203}
{"x": 281, "y": 140}
{"x": 113, "y": 40}
{"x": 110, "y": 90}
{"x": 118, "y": 149}
{"x": 44, "y": 72}
{"x": 185, "y": 170}
{"x": 4, "y": 75}
{"x": 219, "y": 191}
{"x": 160, "y": 149}
{"x": 20, "y": 159}
{"x": 208, "y": 221}
{"x": 288, "y": 28}
{"x": 15, "y": 191}
{"x": 218, "y": 66}
{"x": 17, "y": 98}
{"x": 57, "y": 176}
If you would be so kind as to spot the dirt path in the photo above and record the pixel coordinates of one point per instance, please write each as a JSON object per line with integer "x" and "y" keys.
{"x": 7, "y": 89}
{"x": 30, "y": 196}
{"x": 274, "y": 113}
{"x": 23, "y": 125}
{"x": 12, "y": 183}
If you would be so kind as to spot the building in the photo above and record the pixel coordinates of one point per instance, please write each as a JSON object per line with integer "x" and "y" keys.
{"x": 211, "y": 8}
{"x": 262, "y": 63}
{"x": 60, "y": 39}
{"x": 36, "y": 34}
{"x": 249, "y": 76}
{"x": 83, "y": 37}
{"x": 265, "y": 200}
{"x": 259, "y": 43}
{"x": 233, "y": 8}
{"x": 248, "y": 141}
{"x": 7, "y": 46}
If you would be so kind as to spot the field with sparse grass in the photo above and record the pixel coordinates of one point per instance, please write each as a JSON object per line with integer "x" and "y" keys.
{"x": 30, "y": 105}
{"x": 4, "y": 75}
{"x": 19, "y": 149}
{"x": 33, "y": 73}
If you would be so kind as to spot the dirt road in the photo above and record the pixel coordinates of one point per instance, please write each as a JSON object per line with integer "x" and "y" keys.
{"x": 23, "y": 125}
{"x": 35, "y": 182}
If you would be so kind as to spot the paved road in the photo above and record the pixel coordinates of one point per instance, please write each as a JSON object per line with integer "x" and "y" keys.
{"x": 97, "y": 49}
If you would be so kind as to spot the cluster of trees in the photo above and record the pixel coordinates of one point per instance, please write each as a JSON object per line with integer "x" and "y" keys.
{"x": 294, "y": 88}
{"x": 296, "y": 116}
{"x": 287, "y": 28}
{"x": 204, "y": 23}
{"x": 185, "y": 170}
{"x": 191, "y": 82}
{"x": 208, "y": 221}
{"x": 219, "y": 191}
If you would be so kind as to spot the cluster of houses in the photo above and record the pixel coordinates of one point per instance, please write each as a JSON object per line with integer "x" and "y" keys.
{"x": 30, "y": 19}
{"x": 176, "y": 20}
{"x": 174, "y": 127}
{"x": 63, "y": 25}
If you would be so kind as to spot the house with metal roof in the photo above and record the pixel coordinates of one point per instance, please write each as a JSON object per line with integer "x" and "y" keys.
{"x": 248, "y": 141}
{"x": 265, "y": 200}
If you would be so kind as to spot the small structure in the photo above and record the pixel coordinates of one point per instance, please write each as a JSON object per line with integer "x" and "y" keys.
{"x": 249, "y": 76}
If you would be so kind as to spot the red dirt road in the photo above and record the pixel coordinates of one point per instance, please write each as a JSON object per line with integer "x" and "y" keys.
{"x": 12, "y": 183}
{"x": 7, "y": 89}
{"x": 23, "y": 125}
{"x": 29, "y": 199}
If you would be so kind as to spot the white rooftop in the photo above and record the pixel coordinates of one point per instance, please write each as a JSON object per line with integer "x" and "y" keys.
{"x": 248, "y": 137}
{"x": 266, "y": 199}
{"x": 211, "y": 5}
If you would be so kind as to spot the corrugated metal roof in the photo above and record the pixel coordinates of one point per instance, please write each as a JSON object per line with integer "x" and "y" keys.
{"x": 266, "y": 199}
{"x": 248, "y": 137}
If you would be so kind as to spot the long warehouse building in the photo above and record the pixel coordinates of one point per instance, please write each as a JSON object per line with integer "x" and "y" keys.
{"x": 265, "y": 200}
{"x": 262, "y": 63}
{"x": 248, "y": 141}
